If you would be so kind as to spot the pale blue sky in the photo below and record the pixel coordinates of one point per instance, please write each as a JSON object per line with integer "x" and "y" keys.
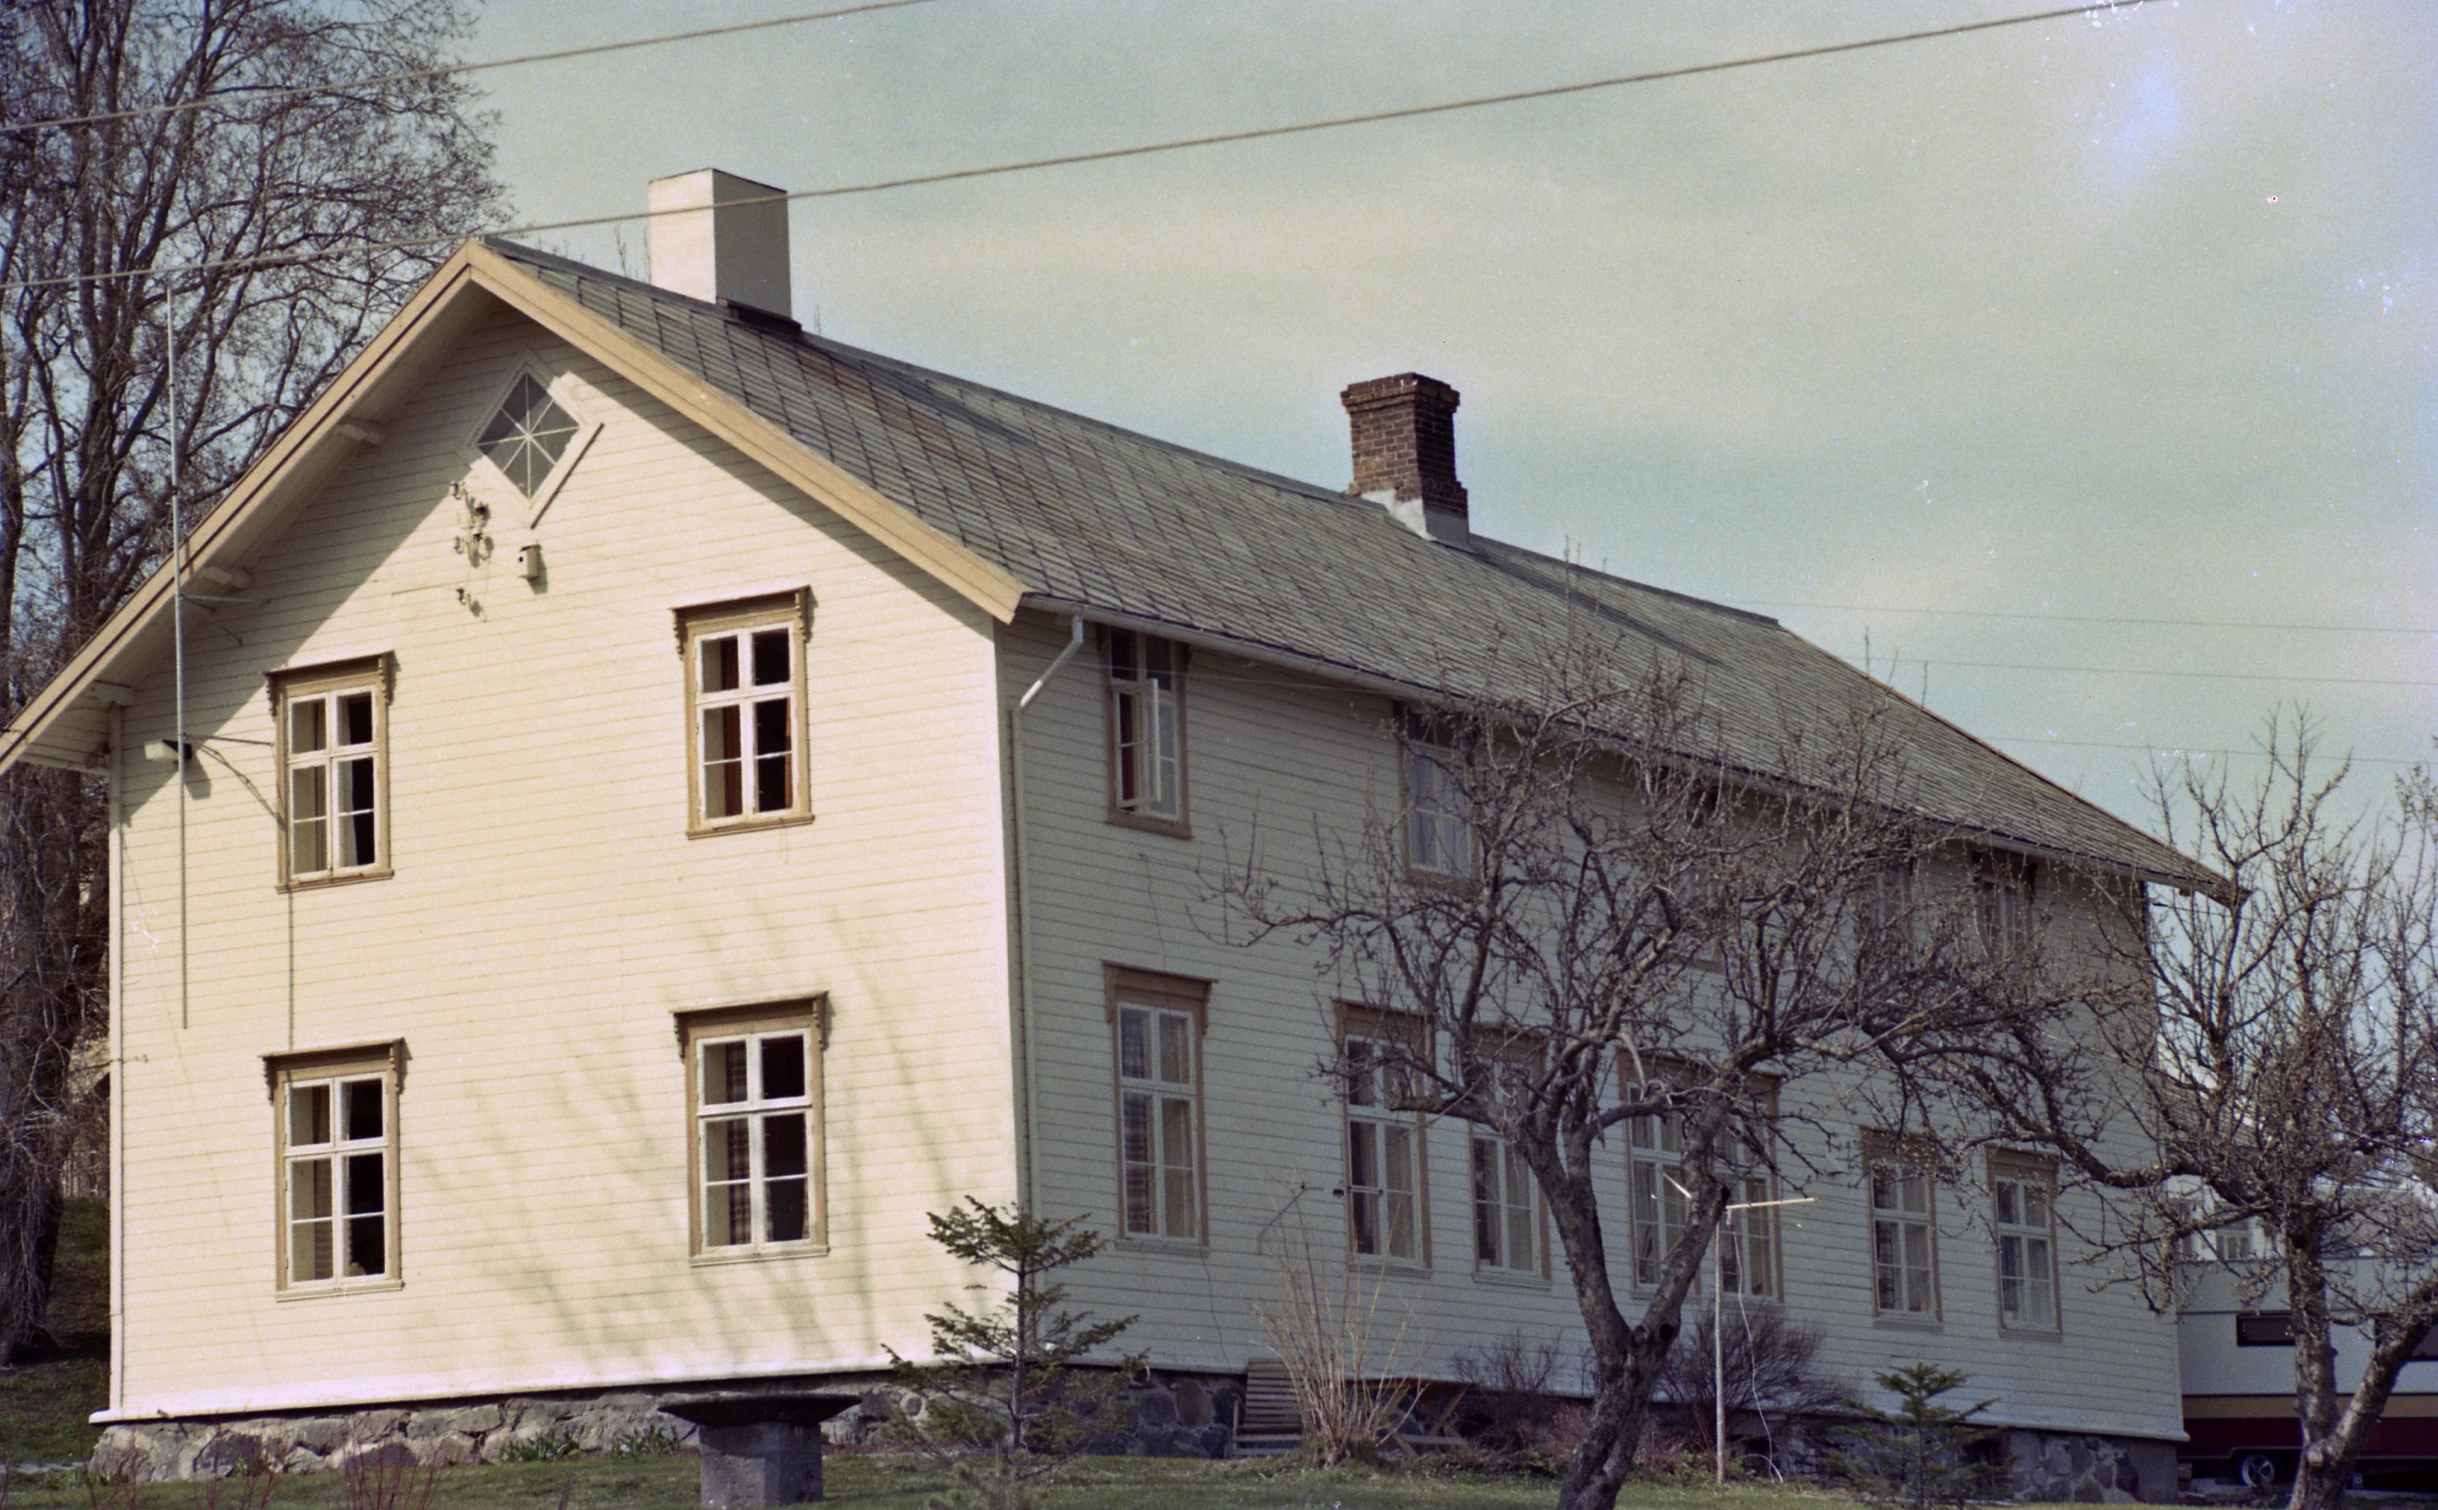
{"x": 2127, "y": 315}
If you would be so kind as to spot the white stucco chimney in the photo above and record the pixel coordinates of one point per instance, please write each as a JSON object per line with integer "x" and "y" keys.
{"x": 721, "y": 246}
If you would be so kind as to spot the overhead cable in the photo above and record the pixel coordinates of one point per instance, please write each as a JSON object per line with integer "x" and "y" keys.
{"x": 2076, "y": 618}
{"x": 443, "y": 70}
{"x": 1145, "y": 149}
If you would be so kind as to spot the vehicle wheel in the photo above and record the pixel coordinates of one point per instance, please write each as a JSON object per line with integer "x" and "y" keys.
{"x": 2258, "y": 1470}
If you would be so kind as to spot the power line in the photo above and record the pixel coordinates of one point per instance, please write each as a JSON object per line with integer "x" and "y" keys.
{"x": 1146, "y": 149}
{"x": 2225, "y": 676}
{"x": 2167, "y": 749}
{"x": 2075, "y": 618}
{"x": 444, "y": 70}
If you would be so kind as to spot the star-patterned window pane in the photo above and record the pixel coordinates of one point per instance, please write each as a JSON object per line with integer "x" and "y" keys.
{"x": 528, "y": 435}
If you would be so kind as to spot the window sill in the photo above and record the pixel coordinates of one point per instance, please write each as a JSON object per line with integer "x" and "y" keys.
{"x": 1175, "y": 828}
{"x": 1389, "y": 1268}
{"x": 322, "y": 883}
{"x": 1897, "y": 1322}
{"x": 721, "y": 1260}
{"x": 1453, "y": 883}
{"x": 747, "y": 826}
{"x": 2031, "y": 1333}
{"x": 1510, "y": 1278}
{"x": 332, "y": 1289}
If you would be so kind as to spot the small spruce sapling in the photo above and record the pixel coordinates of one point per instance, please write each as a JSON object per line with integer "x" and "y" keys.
{"x": 1002, "y": 1392}
{"x": 1921, "y": 1453}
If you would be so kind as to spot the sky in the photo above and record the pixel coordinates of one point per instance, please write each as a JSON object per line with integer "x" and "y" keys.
{"x": 2076, "y": 377}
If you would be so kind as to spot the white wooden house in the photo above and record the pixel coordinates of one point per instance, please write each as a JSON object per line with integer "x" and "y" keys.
{"x": 667, "y": 800}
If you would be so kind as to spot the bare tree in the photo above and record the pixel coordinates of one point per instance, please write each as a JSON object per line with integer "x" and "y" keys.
{"x": 1597, "y": 916}
{"x": 190, "y": 202}
{"x": 2275, "y": 1047}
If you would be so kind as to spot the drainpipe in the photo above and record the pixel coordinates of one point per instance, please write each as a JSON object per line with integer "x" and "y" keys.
{"x": 1024, "y": 914}
{"x": 114, "y": 794}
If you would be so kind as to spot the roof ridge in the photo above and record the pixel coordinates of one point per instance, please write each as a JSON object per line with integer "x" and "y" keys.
{"x": 933, "y": 374}
{"x": 1222, "y": 463}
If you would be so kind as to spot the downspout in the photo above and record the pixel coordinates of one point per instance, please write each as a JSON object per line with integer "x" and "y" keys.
{"x": 1024, "y": 914}
{"x": 113, "y": 783}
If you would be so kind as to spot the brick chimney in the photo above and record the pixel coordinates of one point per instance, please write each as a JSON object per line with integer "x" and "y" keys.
{"x": 1405, "y": 453}
{"x": 722, "y": 245}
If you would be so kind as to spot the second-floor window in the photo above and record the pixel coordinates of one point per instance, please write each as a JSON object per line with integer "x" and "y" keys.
{"x": 745, "y": 696}
{"x": 2002, "y": 904}
{"x": 1146, "y": 729}
{"x": 333, "y": 729}
{"x": 1438, "y": 818}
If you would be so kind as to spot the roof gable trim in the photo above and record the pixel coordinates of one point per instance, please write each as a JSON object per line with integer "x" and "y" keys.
{"x": 979, "y": 582}
{"x": 48, "y": 731}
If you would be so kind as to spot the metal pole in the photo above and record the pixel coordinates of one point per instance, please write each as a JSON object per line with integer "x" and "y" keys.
{"x": 1718, "y": 1347}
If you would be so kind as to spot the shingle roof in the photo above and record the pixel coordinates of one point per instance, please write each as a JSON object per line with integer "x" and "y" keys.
{"x": 1094, "y": 517}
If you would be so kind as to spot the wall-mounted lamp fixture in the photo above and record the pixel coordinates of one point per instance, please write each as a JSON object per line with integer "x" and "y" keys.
{"x": 168, "y": 751}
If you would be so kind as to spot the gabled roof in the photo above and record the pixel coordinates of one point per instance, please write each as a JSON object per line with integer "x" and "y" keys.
{"x": 1008, "y": 500}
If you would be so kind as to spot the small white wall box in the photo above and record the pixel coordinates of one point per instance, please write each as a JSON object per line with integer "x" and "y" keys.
{"x": 167, "y": 752}
{"x": 529, "y": 562}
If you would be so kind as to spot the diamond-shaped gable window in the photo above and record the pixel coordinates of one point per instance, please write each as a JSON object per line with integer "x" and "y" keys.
{"x": 528, "y": 435}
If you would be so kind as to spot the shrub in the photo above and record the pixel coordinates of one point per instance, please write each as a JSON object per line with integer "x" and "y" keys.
{"x": 1004, "y": 1397}
{"x": 1919, "y": 1454}
{"x": 1322, "y": 1325}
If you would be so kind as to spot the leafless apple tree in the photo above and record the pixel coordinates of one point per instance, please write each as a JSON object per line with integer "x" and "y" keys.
{"x": 2275, "y": 1049}
{"x": 160, "y": 185}
{"x": 1596, "y": 917}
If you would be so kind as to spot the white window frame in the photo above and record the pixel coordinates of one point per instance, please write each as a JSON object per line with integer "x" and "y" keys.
{"x": 2026, "y": 1245}
{"x": 327, "y": 690}
{"x": 749, "y": 1029}
{"x": 1438, "y": 827}
{"x": 1146, "y": 677}
{"x": 1386, "y": 1219}
{"x": 490, "y": 481}
{"x": 338, "y": 1079}
{"x": 1161, "y": 1194}
{"x": 1904, "y": 1240}
{"x": 750, "y": 624}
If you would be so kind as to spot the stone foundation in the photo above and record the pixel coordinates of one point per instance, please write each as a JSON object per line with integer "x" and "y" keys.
{"x": 2068, "y": 1468}
{"x": 1169, "y": 1415}
{"x": 488, "y": 1431}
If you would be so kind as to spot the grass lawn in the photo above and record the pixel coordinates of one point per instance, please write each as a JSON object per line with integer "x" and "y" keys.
{"x": 43, "y": 1403}
{"x": 897, "y": 1483}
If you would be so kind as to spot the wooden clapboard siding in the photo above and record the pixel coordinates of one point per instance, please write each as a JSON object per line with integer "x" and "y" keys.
{"x": 546, "y": 916}
{"x": 1278, "y": 757}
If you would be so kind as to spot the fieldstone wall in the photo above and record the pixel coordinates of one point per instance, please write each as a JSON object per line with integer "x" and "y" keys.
{"x": 483, "y": 1432}
{"x": 2062, "y": 1468}
{"x": 1168, "y": 1415}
